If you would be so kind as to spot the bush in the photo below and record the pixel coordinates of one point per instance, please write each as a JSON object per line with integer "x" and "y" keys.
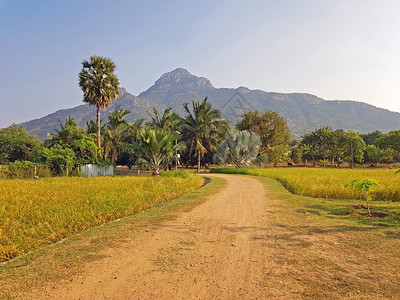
{"x": 24, "y": 170}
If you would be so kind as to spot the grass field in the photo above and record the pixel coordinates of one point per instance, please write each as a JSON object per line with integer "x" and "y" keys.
{"x": 327, "y": 182}
{"x": 39, "y": 268}
{"x": 320, "y": 253}
{"x": 32, "y": 216}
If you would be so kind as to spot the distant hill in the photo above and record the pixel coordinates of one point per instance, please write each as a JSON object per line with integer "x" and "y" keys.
{"x": 83, "y": 113}
{"x": 303, "y": 112}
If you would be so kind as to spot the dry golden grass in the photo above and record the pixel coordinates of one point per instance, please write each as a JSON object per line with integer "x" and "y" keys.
{"x": 328, "y": 182}
{"x": 32, "y": 216}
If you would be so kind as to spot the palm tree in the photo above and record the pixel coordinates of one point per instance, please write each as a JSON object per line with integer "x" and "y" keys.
{"x": 203, "y": 128}
{"x": 156, "y": 148}
{"x": 114, "y": 132}
{"x": 99, "y": 85}
{"x": 167, "y": 121}
{"x": 117, "y": 118}
{"x": 240, "y": 148}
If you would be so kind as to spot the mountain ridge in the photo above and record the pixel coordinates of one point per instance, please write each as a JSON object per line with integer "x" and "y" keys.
{"x": 302, "y": 111}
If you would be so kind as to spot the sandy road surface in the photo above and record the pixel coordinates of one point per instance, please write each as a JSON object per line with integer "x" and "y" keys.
{"x": 211, "y": 252}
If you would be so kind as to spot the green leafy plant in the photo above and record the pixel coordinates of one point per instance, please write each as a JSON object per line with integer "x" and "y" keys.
{"x": 240, "y": 148}
{"x": 364, "y": 189}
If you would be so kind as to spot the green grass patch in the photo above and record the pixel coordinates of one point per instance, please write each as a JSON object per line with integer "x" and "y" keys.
{"x": 328, "y": 183}
{"x": 32, "y": 216}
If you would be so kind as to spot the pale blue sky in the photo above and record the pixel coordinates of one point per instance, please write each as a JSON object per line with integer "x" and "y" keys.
{"x": 338, "y": 50}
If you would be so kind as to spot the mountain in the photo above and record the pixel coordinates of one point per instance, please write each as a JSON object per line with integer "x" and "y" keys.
{"x": 303, "y": 112}
{"x": 83, "y": 113}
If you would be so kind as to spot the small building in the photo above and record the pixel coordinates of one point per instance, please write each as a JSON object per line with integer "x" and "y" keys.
{"x": 96, "y": 170}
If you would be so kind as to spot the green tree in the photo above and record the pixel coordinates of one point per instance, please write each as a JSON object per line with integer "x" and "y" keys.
{"x": 130, "y": 135}
{"x": 297, "y": 154}
{"x": 239, "y": 148}
{"x": 375, "y": 155}
{"x": 91, "y": 127}
{"x": 17, "y": 144}
{"x": 115, "y": 130}
{"x": 353, "y": 147}
{"x": 324, "y": 143}
{"x": 389, "y": 140}
{"x": 168, "y": 120}
{"x": 99, "y": 85}
{"x": 364, "y": 189}
{"x": 203, "y": 128}
{"x": 156, "y": 148}
{"x": 61, "y": 161}
{"x": 67, "y": 134}
{"x": 71, "y": 136}
{"x": 273, "y": 130}
{"x": 277, "y": 154}
{"x": 370, "y": 138}
{"x": 270, "y": 126}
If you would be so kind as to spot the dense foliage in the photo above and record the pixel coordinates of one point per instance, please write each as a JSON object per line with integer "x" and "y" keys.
{"x": 16, "y": 144}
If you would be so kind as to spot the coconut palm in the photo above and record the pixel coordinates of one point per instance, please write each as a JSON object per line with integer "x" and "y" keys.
{"x": 117, "y": 118}
{"x": 167, "y": 120}
{"x": 99, "y": 85}
{"x": 202, "y": 128}
{"x": 239, "y": 148}
{"x": 156, "y": 148}
{"x": 114, "y": 133}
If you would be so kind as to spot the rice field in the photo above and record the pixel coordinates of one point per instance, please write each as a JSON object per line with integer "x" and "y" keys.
{"x": 32, "y": 216}
{"x": 328, "y": 182}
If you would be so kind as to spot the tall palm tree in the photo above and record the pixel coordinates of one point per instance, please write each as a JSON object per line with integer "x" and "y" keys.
{"x": 99, "y": 85}
{"x": 203, "y": 128}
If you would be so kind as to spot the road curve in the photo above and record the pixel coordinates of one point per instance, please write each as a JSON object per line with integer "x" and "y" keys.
{"x": 211, "y": 252}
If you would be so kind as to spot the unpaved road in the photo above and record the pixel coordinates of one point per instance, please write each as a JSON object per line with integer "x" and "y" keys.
{"x": 211, "y": 252}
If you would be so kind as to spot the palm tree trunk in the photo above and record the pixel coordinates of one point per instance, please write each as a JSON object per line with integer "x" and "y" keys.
{"x": 98, "y": 130}
{"x": 198, "y": 161}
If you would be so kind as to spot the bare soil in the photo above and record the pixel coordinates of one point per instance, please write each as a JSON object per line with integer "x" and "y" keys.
{"x": 211, "y": 252}
{"x": 358, "y": 206}
{"x": 373, "y": 214}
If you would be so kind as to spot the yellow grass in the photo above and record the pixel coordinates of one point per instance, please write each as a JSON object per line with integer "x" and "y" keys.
{"x": 32, "y": 216}
{"x": 327, "y": 182}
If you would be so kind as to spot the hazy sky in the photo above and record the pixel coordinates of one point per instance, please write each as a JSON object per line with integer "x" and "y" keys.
{"x": 337, "y": 50}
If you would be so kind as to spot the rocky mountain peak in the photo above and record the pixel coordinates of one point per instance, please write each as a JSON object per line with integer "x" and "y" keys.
{"x": 122, "y": 91}
{"x": 179, "y": 79}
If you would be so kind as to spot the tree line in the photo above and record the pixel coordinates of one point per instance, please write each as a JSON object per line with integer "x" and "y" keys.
{"x": 200, "y": 137}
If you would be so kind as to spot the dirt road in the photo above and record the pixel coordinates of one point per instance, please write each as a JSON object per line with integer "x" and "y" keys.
{"x": 211, "y": 252}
